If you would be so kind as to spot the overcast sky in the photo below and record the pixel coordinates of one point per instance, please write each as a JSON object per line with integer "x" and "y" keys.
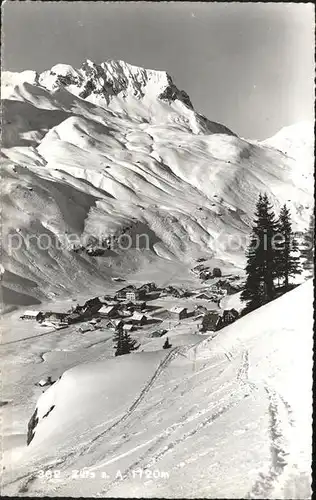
{"x": 249, "y": 66}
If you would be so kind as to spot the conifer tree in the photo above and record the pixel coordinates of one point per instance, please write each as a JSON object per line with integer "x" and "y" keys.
{"x": 118, "y": 338}
{"x": 308, "y": 246}
{"x": 124, "y": 343}
{"x": 287, "y": 264}
{"x": 167, "y": 344}
{"x": 261, "y": 263}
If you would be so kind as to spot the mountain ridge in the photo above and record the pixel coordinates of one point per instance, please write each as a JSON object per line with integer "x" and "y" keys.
{"x": 89, "y": 167}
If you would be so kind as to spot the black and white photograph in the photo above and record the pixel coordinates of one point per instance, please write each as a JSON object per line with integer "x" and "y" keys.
{"x": 157, "y": 250}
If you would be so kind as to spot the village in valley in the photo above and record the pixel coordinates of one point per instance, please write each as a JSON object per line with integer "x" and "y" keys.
{"x": 148, "y": 311}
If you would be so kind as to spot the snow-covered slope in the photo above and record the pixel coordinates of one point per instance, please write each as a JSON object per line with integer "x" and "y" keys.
{"x": 294, "y": 139}
{"x": 232, "y": 414}
{"x": 88, "y": 152}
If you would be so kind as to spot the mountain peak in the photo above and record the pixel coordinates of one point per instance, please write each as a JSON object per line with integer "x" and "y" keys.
{"x": 295, "y": 140}
{"x": 145, "y": 95}
{"x": 113, "y": 78}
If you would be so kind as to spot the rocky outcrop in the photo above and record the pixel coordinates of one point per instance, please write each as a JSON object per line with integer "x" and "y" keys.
{"x": 33, "y": 423}
{"x": 31, "y": 427}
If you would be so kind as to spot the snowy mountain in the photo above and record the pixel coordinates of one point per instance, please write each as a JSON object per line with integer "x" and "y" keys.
{"x": 138, "y": 92}
{"x": 107, "y": 148}
{"x": 232, "y": 413}
{"x": 294, "y": 139}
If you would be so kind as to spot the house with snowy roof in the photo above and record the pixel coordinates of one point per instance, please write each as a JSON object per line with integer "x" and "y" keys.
{"x": 85, "y": 327}
{"x": 137, "y": 319}
{"x": 179, "y": 312}
{"x": 108, "y": 311}
{"x": 211, "y": 321}
{"x": 128, "y": 327}
{"x": 115, "y": 324}
{"x": 35, "y": 315}
{"x": 130, "y": 292}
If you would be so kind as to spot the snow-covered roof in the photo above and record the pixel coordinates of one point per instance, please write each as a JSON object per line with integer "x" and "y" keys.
{"x": 106, "y": 309}
{"x": 31, "y": 313}
{"x": 84, "y": 328}
{"x": 177, "y": 309}
{"x": 138, "y": 316}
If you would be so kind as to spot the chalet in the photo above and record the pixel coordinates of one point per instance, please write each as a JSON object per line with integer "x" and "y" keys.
{"x": 45, "y": 381}
{"x": 126, "y": 312}
{"x": 129, "y": 328}
{"x": 121, "y": 294}
{"x": 55, "y": 317}
{"x": 130, "y": 293}
{"x": 85, "y": 327}
{"x": 134, "y": 295}
{"x": 35, "y": 315}
{"x": 95, "y": 321}
{"x": 228, "y": 317}
{"x": 114, "y": 324}
{"x": 137, "y": 319}
{"x": 211, "y": 321}
{"x": 217, "y": 273}
{"x": 74, "y": 317}
{"x": 108, "y": 311}
{"x": 179, "y": 312}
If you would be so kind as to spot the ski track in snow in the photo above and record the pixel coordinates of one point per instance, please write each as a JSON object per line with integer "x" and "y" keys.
{"x": 74, "y": 454}
{"x": 278, "y": 427}
{"x": 156, "y": 452}
{"x": 152, "y": 455}
{"x": 187, "y": 418}
{"x": 279, "y": 449}
{"x": 266, "y": 482}
{"x": 279, "y": 442}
